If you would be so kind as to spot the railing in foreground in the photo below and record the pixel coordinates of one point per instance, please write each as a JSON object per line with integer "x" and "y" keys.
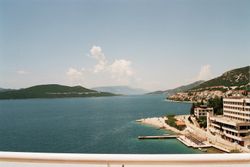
{"x": 19, "y": 159}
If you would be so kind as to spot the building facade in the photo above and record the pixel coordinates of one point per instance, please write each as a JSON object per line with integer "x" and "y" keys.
{"x": 202, "y": 111}
{"x": 237, "y": 108}
{"x": 234, "y": 124}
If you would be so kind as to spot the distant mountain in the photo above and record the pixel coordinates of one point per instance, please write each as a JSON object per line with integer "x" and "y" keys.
{"x": 123, "y": 90}
{"x": 51, "y": 91}
{"x": 4, "y": 90}
{"x": 179, "y": 89}
{"x": 237, "y": 78}
{"x": 158, "y": 92}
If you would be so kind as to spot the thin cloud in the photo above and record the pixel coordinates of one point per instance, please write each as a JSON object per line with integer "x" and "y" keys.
{"x": 22, "y": 72}
{"x": 120, "y": 70}
{"x": 74, "y": 74}
{"x": 97, "y": 54}
{"x": 205, "y": 73}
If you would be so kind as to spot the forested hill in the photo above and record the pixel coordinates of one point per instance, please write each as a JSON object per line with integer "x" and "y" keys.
{"x": 52, "y": 91}
{"x": 238, "y": 78}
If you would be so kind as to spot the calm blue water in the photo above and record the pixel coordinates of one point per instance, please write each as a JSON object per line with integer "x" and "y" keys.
{"x": 87, "y": 125}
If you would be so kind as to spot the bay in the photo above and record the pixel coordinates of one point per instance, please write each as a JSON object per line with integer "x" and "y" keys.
{"x": 87, "y": 125}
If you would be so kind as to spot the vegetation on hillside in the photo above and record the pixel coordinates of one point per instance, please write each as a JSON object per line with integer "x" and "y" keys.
{"x": 236, "y": 77}
{"x": 4, "y": 90}
{"x": 217, "y": 104}
{"x": 192, "y": 109}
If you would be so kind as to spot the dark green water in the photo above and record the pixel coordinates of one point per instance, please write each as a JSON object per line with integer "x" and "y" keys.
{"x": 87, "y": 125}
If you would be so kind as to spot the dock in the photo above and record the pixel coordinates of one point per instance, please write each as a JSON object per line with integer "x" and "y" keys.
{"x": 158, "y": 137}
{"x": 191, "y": 141}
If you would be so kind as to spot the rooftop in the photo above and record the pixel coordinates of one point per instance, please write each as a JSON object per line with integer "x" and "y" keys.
{"x": 235, "y": 97}
{"x": 180, "y": 123}
{"x": 204, "y": 107}
{"x": 229, "y": 121}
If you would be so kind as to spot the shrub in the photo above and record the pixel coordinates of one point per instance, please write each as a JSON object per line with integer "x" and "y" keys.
{"x": 202, "y": 122}
{"x": 171, "y": 121}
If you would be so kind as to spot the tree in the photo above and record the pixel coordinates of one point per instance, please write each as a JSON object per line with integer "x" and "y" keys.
{"x": 192, "y": 109}
{"x": 202, "y": 101}
{"x": 217, "y": 104}
{"x": 202, "y": 122}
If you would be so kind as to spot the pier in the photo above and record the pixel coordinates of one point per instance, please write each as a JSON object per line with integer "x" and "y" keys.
{"x": 158, "y": 137}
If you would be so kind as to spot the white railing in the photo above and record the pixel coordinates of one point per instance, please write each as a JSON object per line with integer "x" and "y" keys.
{"x": 17, "y": 159}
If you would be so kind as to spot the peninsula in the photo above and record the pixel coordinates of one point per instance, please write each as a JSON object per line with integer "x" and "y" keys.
{"x": 52, "y": 91}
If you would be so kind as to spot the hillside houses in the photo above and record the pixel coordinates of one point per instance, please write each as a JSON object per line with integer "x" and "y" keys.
{"x": 205, "y": 95}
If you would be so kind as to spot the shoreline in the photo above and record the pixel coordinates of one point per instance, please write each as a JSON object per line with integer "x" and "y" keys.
{"x": 159, "y": 122}
{"x": 175, "y": 101}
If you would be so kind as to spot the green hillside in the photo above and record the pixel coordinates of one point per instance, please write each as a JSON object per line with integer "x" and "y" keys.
{"x": 52, "y": 91}
{"x": 238, "y": 77}
{"x": 4, "y": 90}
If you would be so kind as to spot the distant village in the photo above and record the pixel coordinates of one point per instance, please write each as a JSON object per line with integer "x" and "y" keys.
{"x": 205, "y": 95}
{"x": 231, "y": 127}
{"x": 219, "y": 118}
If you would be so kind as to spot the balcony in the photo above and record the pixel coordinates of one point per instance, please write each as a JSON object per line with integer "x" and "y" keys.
{"x": 237, "y": 111}
{"x": 237, "y": 116}
{"x": 215, "y": 125}
{"x": 15, "y": 159}
{"x": 233, "y": 137}
{"x": 234, "y": 130}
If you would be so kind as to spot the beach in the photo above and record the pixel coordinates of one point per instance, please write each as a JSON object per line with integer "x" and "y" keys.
{"x": 186, "y": 136}
{"x": 159, "y": 122}
{"x": 193, "y": 136}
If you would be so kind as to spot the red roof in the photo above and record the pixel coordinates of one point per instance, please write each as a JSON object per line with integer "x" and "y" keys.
{"x": 180, "y": 123}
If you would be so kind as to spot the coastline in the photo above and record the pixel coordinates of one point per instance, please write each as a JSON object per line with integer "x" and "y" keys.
{"x": 184, "y": 135}
{"x": 193, "y": 136}
{"x": 159, "y": 122}
{"x": 175, "y": 101}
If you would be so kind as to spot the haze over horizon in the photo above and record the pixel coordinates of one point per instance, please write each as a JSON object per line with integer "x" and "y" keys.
{"x": 154, "y": 45}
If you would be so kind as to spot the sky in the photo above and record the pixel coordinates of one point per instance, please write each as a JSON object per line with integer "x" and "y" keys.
{"x": 149, "y": 44}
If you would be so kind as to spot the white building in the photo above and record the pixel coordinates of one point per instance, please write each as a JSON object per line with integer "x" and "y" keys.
{"x": 202, "y": 111}
{"x": 234, "y": 124}
{"x": 237, "y": 108}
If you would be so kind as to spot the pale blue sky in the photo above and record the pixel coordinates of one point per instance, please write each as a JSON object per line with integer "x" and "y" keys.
{"x": 153, "y": 44}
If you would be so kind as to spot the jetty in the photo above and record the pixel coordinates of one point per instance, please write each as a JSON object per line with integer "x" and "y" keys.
{"x": 158, "y": 137}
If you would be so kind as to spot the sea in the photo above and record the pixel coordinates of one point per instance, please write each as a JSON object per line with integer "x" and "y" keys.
{"x": 105, "y": 125}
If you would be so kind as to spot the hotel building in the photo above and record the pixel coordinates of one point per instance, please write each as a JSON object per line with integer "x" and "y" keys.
{"x": 202, "y": 111}
{"x": 234, "y": 124}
